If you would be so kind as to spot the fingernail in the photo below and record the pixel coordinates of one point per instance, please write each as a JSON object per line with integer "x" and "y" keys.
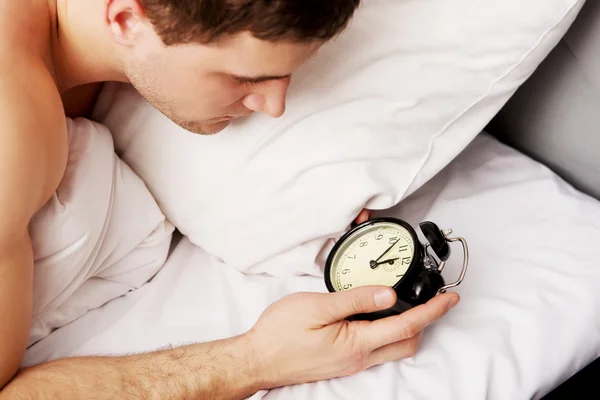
{"x": 383, "y": 298}
{"x": 453, "y": 301}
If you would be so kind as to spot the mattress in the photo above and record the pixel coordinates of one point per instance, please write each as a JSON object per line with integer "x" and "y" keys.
{"x": 527, "y": 320}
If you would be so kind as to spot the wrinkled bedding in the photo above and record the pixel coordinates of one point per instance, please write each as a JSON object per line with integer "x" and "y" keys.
{"x": 100, "y": 235}
{"x": 527, "y": 320}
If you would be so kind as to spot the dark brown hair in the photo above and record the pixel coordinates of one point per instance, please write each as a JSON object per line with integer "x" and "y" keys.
{"x": 205, "y": 21}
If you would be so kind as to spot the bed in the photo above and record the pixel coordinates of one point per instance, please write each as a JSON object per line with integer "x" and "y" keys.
{"x": 530, "y": 300}
{"x": 533, "y": 245}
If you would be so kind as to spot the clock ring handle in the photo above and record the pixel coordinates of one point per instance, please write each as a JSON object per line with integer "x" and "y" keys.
{"x": 465, "y": 262}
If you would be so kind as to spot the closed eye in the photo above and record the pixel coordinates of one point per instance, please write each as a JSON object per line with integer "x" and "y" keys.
{"x": 242, "y": 81}
{"x": 255, "y": 81}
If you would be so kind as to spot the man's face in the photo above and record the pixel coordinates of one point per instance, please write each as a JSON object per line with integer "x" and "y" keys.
{"x": 203, "y": 87}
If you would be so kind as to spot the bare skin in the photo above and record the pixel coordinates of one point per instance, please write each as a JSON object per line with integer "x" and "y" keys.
{"x": 45, "y": 74}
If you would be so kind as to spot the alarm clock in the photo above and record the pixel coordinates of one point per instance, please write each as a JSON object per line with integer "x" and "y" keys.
{"x": 386, "y": 251}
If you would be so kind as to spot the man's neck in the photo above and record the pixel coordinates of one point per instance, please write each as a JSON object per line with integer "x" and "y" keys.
{"x": 82, "y": 50}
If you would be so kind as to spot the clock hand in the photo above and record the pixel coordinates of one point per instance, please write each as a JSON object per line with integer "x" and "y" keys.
{"x": 390, "y": 261}
{"x": 387, "y": 251}
{"x": 374, "y": 264}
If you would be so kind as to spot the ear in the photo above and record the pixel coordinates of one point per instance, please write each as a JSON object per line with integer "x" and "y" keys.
{"x": 125, "y": 18}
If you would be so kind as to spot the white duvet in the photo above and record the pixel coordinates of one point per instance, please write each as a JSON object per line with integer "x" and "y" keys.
{"x": 527, "y": 320}
{"x": 101, "y": 234}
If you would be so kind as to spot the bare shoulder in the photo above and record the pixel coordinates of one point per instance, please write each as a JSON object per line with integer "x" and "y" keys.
{"x": 33, "y": 135}
{"x": 24, "y": 25}
{"x": 33, "y": 145}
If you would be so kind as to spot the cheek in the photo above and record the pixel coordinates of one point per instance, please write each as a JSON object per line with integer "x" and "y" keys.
{"x": 229, "y": 94}
{"x": 215, "y": 93}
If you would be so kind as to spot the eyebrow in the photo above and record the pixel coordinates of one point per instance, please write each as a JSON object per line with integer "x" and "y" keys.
{"x": 259, "y": 79}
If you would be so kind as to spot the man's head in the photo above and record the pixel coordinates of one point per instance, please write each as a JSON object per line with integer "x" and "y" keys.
{"x": 205, "y": 62}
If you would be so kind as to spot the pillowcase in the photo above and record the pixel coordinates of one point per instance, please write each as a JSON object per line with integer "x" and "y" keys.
{"x": 98, "y": 237}
{"x": 376, "y": 114}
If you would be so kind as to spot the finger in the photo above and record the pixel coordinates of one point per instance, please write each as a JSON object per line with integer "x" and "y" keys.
{"x": 410, "y": 323}
{"x": 363, "y": 216}
{"x": 395, "y": 351}
{"x": 365, "y": 299}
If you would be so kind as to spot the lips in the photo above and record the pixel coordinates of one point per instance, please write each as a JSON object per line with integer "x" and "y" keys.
{"x": 222, "y": 119}
{"x": 232, "y": 117}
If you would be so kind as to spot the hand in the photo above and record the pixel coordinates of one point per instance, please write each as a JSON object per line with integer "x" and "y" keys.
{"x": 304, "y": 337}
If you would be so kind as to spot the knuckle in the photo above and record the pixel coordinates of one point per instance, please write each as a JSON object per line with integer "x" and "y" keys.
{"x": 358, "y": 304}
{"x": 409, "y": 330}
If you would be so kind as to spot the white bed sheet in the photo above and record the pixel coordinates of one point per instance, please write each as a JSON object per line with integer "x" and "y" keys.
{"x": 528, "y": 318}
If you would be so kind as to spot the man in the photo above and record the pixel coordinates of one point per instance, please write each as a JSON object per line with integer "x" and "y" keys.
{"x": 202, "y": 63}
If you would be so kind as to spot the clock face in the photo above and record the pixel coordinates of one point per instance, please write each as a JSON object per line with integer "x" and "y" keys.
{"x": 378, "y": 253}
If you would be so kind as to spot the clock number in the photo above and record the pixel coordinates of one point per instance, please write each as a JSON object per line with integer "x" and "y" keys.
{"x": 403, "y": 248}
{"x": 406, "y": 261}
{"x": 393, "y": 240}
{"x": 348, "y": 286}
{"x": 363, "y": 244}
{"x": 346, "y": 271}
{"x": 352, "y": 258}
{"x": 379, "y": 237}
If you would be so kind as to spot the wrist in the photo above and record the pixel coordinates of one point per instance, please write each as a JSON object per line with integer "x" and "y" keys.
{"x": 235, "y": 371}
{"x": 261, "y": 364}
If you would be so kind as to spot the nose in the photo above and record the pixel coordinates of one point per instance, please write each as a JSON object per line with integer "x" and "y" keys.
{"x": 269, "y": 98}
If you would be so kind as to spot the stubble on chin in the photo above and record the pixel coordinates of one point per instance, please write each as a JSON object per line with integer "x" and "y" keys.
{"x": 205, "y": 129}
{"x": 199, "y": 127}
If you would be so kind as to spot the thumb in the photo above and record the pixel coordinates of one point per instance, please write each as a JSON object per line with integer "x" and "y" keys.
{"x": 365, "y": 299}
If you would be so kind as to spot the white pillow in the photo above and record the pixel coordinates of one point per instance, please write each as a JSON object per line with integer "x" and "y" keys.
{"x": 371, "y": 118}
{"x": 100, "y": 235}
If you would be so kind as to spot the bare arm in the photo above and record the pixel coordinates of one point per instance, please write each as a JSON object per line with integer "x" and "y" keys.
{"x": 32, "y": 159}
{"x": 15, "y": 304}
{"x": 217, "y": 370}
{"x": 301, "y": 338}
